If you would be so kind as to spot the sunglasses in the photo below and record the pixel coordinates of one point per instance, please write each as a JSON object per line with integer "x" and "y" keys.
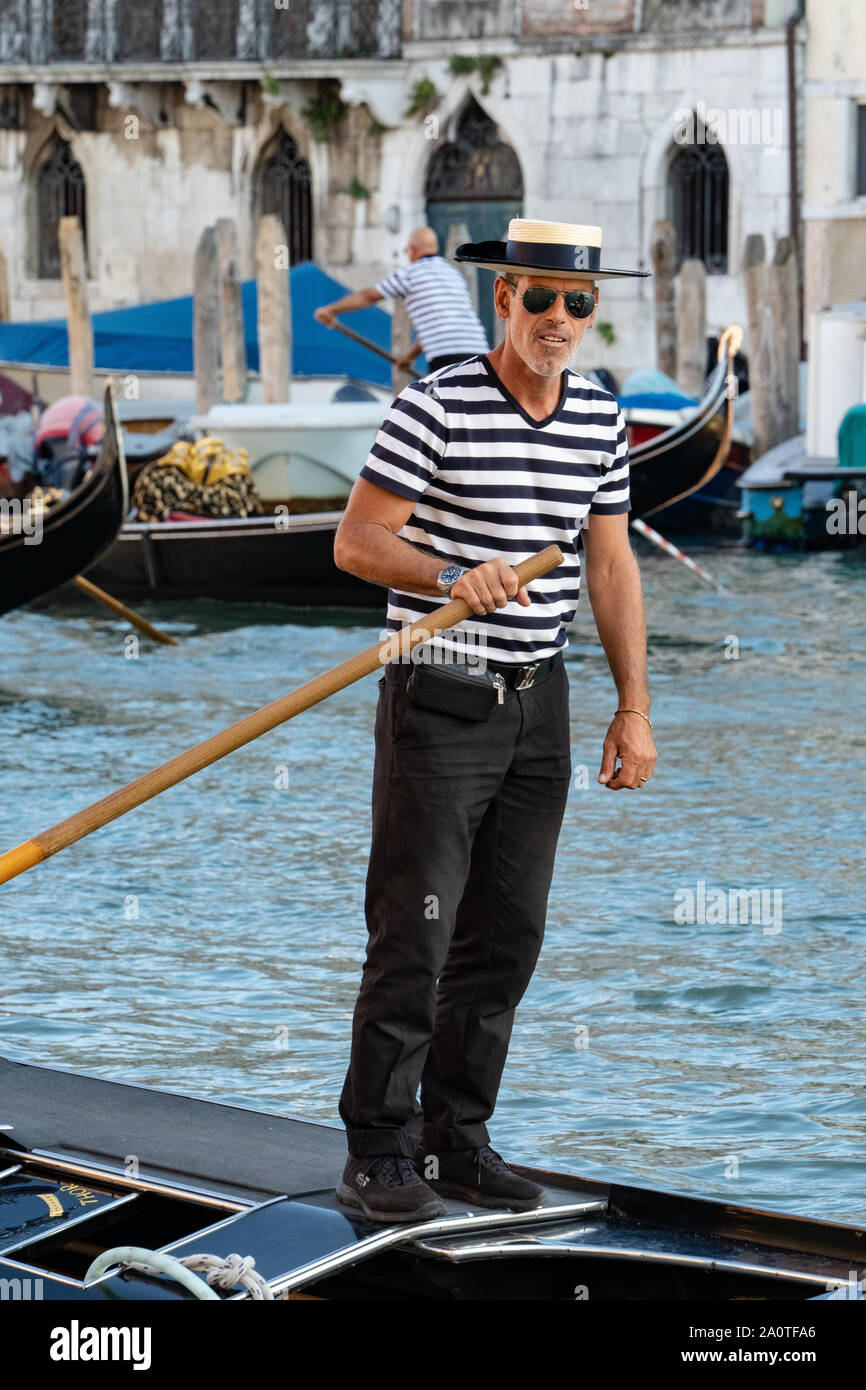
{"x": 579, "y": 303}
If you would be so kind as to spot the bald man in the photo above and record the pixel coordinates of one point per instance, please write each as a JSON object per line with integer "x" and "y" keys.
{"x": 447, "y": 328}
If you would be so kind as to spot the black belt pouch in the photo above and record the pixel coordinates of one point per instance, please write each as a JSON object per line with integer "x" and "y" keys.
{"x": 456, "y": 691}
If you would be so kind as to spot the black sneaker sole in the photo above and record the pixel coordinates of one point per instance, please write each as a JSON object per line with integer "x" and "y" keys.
{"x": 455, "y": 1193}
{"x": 348, "y": 1198}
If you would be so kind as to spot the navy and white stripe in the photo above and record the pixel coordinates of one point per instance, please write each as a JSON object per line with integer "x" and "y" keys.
{"x": 438, "y": 303}
{"x": 488, "y": 480}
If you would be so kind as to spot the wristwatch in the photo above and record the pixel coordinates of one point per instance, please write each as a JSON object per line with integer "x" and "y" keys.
{"x": 448, "y": 578}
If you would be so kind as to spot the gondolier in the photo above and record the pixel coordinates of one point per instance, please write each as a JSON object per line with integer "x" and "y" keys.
{"x": 437, "y": 301}
{"x": 500, "y": 456}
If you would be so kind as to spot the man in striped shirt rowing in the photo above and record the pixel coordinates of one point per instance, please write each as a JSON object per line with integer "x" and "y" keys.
{"x": 437, "y": 301}
{"x": 473, "y": 470}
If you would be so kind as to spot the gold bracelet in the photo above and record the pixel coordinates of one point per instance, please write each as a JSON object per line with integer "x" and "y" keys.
{"x": 636, "y": 711}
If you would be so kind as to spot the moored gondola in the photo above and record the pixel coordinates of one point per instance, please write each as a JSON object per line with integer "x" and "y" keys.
{"x": 687, "y": 457}
{"x": 40, "y": 551}
{"x": 89, "y": 1167}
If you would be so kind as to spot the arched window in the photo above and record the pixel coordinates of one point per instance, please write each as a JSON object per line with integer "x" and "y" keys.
{"x": 474, "y": 183}
{"x": 476, "y": 164}
{"x": 284, "y": 188}
{"x": 60, "y": 192}
{"x": 698, "y": 192}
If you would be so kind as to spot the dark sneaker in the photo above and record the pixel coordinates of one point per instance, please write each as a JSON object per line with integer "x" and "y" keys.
{"x": 483, "y": 1178}
{"x": 386, "y": 1187}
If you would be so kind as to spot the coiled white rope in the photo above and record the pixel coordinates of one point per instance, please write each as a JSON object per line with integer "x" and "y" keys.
{"x": 224, "y": 1272}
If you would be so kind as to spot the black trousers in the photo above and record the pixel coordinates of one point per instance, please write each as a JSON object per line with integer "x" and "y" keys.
{"x": 466, "y": 818}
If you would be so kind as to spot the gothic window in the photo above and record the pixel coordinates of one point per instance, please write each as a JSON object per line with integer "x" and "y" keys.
{"x": 60, "y": 192}
{"x": 284, "y": 188}
{"x": 68, "y": 30}
{"x": 286, "y": 34}
{"x": 698, "y": 189}
{"x": 477, "y": 164}
{"x": 138, "y": 30}
{"x": 214, "y": 29}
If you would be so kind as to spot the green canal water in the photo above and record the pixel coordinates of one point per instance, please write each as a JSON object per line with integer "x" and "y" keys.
{"x": 211, "y": 942}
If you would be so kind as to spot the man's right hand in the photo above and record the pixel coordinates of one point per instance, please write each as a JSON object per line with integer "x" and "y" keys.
{"x": 490, "y": 586}
{"x": 325, "y": 315}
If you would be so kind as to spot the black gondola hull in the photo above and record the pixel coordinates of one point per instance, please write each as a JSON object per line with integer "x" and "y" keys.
{"x": 223, "y": 1179}
{"x": 74, "y": 533}
{"x": 245, "y": 560}
{"x": 683, "y": 459}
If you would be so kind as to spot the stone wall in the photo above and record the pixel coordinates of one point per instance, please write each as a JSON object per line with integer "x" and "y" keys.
{"x": 548, "y": 17}
{"x": 457, "y": 19}
{"x": 668, "y": 16}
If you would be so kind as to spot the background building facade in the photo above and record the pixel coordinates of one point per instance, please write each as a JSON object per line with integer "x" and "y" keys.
{"x": 357, "y": 121}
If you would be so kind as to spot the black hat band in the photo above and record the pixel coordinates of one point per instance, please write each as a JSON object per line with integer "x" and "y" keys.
{"x": 554, "y": 257}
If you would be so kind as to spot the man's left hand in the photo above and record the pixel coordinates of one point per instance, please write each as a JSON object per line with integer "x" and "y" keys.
{"x": 630, "y": 740}
{"x": 325, "y": 315}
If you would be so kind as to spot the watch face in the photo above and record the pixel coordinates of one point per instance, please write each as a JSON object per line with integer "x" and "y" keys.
{"x": 449, "y": 575}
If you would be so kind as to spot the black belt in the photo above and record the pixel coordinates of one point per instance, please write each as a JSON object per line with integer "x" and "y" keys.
{"x": 522, "y": 677}
{"x": 515, "y": 677}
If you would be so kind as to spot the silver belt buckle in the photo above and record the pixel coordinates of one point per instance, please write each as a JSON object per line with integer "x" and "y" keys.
{"x": 528, "y": 676}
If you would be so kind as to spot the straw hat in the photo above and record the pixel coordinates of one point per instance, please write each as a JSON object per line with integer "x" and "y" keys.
{"x": 562, "y": 249}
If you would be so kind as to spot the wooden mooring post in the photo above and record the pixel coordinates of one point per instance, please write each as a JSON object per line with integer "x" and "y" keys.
{"x": 275, "y": 310}
{"x": 664, "y": 267}
{"x": 692, "y": 328}
{"x": 785, "y": 312}
{"x": 206, "y": 321}
{"x": 234, "y": 352}
{"x": 73, "y": 269}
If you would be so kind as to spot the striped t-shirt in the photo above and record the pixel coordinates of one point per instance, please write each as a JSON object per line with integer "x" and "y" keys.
{"x": 438, "y": 303}
{"x": 486, "y": 479}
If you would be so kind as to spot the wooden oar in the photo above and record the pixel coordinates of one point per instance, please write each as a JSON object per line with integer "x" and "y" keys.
{"x": 135, "y": 619}
{"x": 25, "y": 856}
{"x": 374, "y": 347}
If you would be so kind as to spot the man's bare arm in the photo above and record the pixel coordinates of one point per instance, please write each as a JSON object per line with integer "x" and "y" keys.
{"x": 327, "y": 313}
{"x": 613, "y": 582}
{"x": 367, "y": 545}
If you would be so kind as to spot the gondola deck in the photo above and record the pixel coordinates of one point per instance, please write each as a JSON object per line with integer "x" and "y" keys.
{"x": 189, "y": 1176}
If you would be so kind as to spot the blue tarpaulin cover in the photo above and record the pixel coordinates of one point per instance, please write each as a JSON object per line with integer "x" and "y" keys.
{"x": 158, "y": 337}
{"x": 650, "y": 389}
